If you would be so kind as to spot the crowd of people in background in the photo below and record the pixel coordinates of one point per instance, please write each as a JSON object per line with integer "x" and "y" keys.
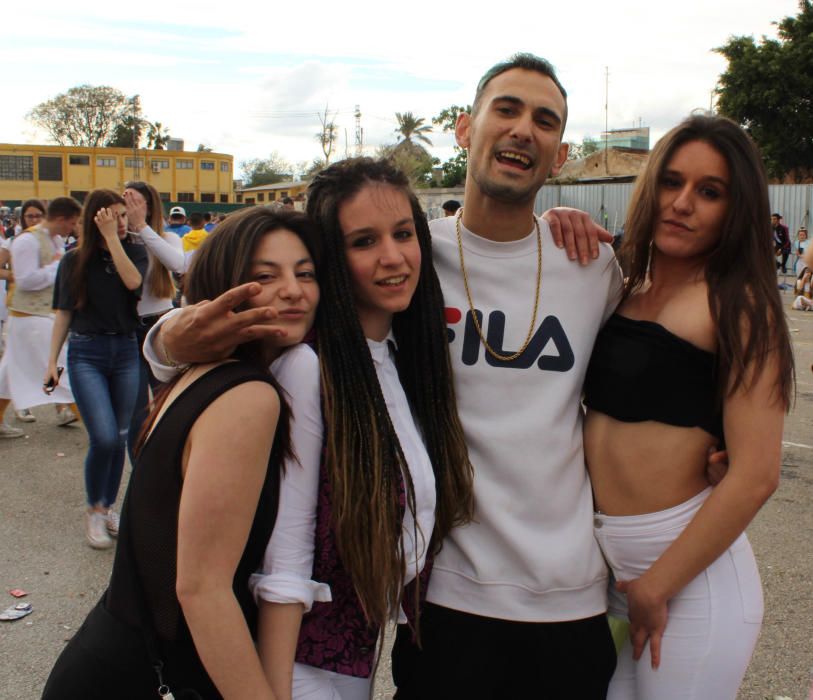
{"x": 327, "y": 451}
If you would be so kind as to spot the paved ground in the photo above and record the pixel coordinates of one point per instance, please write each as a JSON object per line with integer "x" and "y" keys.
{"x": 42, "y": 550}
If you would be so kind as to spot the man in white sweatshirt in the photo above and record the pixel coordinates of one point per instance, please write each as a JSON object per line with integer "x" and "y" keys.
{"x": 516, "y": 600}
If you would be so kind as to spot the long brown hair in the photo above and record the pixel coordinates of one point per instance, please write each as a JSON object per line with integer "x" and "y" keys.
{"x": 364, "y": 457}
{"x": 740, "y": 270}
{"x": 90, "y": 241}
{"x": 159, "y": 278}
{"x": 224, "y": 261}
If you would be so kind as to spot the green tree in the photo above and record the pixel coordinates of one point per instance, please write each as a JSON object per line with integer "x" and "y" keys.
{"x": 586, "y": 148}
{"x": 454, "y": 169}
{"x": 85, "y": 115}
{"x": 412, "y": 127}
{"x": 128, "y": 133}
{"x": 412, "y": 159}
{"x": 266, "y": 171}
{"x": 768, "y": 89}
{"x": 157, "y": 136}
{"x": 328, "y": 134}
{"x": 203, "y": 148}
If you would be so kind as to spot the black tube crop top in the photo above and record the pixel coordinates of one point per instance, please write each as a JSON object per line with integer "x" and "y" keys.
{"x": 641, "y": 371}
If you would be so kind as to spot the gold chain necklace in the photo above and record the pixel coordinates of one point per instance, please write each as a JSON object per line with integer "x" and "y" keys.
{"x": 491, "y": 351}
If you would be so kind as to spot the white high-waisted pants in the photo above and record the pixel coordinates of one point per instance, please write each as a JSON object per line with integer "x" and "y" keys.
{"x": 713, "y": 622}
{"x": 311, "y": 683}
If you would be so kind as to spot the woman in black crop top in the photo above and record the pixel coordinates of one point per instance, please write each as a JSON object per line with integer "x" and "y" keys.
{"x": 202, "y": 499}
{"x": 697, "y": 355}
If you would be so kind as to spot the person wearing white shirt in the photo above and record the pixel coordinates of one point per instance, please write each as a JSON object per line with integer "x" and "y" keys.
{"x": 145, "y": 221}
{"x": 35, "y": 257}
{"x": 382, "y": 472}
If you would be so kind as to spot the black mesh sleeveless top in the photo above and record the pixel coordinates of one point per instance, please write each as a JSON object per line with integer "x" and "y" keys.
{"x": 146, "y": 554}
{"x": 641, "y": 371}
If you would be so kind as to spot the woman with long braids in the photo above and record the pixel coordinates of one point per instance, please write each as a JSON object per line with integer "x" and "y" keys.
{"x": 364, "y": 516}
{"x": 697, "y": 354}
{"x": 145, "y": 221}
{"x": 95, "y": 297}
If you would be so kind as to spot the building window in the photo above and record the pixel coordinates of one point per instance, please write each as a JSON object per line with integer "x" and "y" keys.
{"x": 207, "y": 196}
{"x": 272, "y": 196}
{"x": 133, "y": 162}
{"x": 207, "y": 165}
{"x": 78, "y": 160}
{"x": 183, "y": 164}
{"x": 224, "y": 199}
{"x": 260, "y": 196}
{"x": 79, "y": 195}
{"x": 165, "y": 196}
{"x": 239, "y": 198}
{"x": 16, "y": 167}
{"x": 249, "y": 200}
{"x": 50, "y": 168}
{"x": 106, "y": 162}
{"x": 186, "y": 196}
{"x": 224, "y": 166}
{"x": 159, "y": 164}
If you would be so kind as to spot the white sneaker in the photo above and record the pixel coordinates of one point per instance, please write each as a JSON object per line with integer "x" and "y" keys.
{"x": 6, "y": 431}
{"x": 96, "y": 530}
{"x": 65, "y": 416}
{"x": 112, "y": 522}
{"x": 25, "y": 416}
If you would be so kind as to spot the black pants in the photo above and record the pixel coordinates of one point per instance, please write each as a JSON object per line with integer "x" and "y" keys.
{"x": 482, "y": 658}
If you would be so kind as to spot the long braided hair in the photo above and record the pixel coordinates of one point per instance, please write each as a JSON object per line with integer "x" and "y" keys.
{"x": 365, "y": 460}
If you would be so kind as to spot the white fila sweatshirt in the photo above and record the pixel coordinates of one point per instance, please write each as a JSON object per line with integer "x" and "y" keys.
{"x": 530, "y": 553}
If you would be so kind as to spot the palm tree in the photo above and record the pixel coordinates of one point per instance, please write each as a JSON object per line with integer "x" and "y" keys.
{"x": 412, "y": 127}
{"x": 157, "y": 136}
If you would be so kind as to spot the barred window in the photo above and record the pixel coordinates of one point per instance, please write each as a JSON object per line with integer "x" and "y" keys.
{"x": 50, "y": 168}
{"x": 79, "y": 195}
{"x": 78, "y": 160}
{"x": 160, "y": 163}
{"x": 239, "y": 198}
{"x": 16, "y": 167}
{"x": 224, "y": 166}
{"x": 224, "y": 199}
{"x": 165, "y": 196}
{"x": 106, "y": 162}
{"x": 186, "y": 196}
{"x": 260, "y": 196}
{"x": 133, "y": 162}
{"x": 183, "y": 164}
{"x": 207, "y": 165}
{"x": 207, "y": 196}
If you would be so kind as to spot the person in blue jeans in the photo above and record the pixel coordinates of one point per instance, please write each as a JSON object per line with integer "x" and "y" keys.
{"x": 96, "y": 293}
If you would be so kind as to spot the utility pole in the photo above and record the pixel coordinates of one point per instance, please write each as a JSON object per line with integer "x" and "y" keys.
{"x": 606, "y": 119}
{"x": 359, "y": 133}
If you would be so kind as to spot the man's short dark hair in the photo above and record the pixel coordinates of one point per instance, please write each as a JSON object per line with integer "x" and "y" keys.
{"x": 525, "y": 61}
{"x": 207, "y": 216}
{"x": 287, "y": 200}
{"x": 451, "y": 205}
{"x": 196, "y": 219}
{"x": 778, "y": 216}
{"x": 64, "y": 208}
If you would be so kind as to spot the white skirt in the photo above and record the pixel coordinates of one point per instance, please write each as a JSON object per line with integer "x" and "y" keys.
{"x": 25, "y": 361}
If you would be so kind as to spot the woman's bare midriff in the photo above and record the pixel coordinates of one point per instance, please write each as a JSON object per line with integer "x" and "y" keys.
{"x": 645, "y": 467}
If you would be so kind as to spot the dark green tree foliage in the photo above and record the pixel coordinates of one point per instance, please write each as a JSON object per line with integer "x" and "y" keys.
{"x": 768, "y": 89}
{"x": 454, "y": 169}
{"x": 266, "y": 171}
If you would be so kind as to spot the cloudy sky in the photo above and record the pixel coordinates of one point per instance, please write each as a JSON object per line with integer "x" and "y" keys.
{"x": 250, "y": 78}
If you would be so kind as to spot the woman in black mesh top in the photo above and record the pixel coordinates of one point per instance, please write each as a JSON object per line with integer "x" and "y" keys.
{"x": 202, "y": 500}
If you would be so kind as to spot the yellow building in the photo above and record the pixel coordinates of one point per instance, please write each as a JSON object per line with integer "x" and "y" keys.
{"x": 265, "y": 194}
{"x": 46, "y": 172}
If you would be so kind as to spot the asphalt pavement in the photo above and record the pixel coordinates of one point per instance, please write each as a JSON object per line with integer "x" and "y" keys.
{"x": 43, "y": 550}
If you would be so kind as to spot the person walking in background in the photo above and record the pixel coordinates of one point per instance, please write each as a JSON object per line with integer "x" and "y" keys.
{"x": 450, "y": 207}
{"x": 177, "y": 222}
{"x": 96, "y": 293}
{"x": 193, "y": 238}
{"x": 165, "y": 256}
{"x": 35, "y": 258}
{"x": 781, "y": 238}
{"x": 801, "y": 245}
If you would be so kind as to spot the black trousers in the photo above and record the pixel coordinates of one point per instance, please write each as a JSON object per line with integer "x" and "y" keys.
{"x": 480, "y": 658}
